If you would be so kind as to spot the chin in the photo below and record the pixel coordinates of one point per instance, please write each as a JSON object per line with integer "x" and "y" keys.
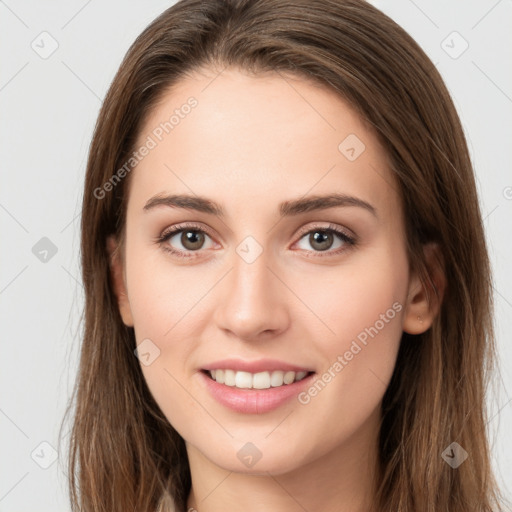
{"x": 248, "y": 458}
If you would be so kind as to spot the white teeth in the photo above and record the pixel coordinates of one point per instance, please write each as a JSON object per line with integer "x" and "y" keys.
{"x": 243, "y": 380}
{"x": 218, "y": 376}
{"x": 261, "y": 380}
{"x": 276, "y": 379}
{"x": 229, "y": 377}
{"x": 289, "y": 377}
{"x": 300, "y": 375}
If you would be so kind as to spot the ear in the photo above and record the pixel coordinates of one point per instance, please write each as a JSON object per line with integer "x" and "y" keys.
{"x": 119, "y": 281}
{"x": 419, "y": 311}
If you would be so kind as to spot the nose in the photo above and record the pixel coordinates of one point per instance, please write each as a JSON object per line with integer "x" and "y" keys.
{"x": 253, "y": 303}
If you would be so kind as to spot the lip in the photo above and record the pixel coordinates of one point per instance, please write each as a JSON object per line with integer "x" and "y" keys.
{"x": 261, "y": 365}
{"x": 253, "y": 401}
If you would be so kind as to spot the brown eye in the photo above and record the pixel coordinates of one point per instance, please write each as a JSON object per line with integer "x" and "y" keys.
{"x": 321, "y": 240}
{"x": 192, "y": 240}
{"x": 181, "y": 240}
{"x": 331, "y": 240}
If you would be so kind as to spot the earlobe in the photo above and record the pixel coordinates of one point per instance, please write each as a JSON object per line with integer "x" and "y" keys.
{"x": 118, "y": 281}
{"x": 424, "y": 305}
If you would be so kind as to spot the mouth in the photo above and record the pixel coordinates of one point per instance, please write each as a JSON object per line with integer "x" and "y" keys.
{"x": 260, "y": 380}
{"x": 254, "y": 393}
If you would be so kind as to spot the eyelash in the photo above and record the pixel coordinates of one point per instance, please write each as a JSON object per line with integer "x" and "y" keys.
{"x": 331, "y": 228}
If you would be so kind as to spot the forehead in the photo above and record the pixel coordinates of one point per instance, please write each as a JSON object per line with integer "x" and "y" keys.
{"x": 243, "y": 137}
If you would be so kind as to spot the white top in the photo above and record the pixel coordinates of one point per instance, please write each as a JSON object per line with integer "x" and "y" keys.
{"x": 166, "y": 503}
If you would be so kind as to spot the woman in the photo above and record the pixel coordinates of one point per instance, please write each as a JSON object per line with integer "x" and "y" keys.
{"x": 288, "y": 299}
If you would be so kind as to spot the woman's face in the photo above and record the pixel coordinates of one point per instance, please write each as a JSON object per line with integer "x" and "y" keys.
{"x": 279, "y": 281}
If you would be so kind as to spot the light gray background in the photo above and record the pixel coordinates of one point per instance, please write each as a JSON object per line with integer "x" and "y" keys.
{"x": 48, "y": 110}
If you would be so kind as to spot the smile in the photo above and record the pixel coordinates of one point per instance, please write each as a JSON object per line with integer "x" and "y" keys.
{"x": 239, "y": 391}
{"x": 260, "y": 380}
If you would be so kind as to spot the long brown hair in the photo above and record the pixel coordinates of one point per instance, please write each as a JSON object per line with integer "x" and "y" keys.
{"x": 124, "y": 455}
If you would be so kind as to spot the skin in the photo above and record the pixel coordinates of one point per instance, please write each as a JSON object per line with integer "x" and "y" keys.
{"x": 251, "y": 143}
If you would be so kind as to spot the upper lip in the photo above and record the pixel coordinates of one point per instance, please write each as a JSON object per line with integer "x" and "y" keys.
{"x": 261, "y": 365}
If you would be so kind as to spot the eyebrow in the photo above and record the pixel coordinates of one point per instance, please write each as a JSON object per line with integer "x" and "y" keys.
{"x": 286, "y": 208}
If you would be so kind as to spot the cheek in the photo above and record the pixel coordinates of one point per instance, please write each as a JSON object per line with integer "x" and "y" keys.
{"x": 165, "y": 302}
{"x": 361, "y": 308}
{"x": 162, "y": 294}
{"x": 345, "y": 301}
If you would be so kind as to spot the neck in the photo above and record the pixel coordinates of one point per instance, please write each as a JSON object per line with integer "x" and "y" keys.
{"x": 341, "y": 480}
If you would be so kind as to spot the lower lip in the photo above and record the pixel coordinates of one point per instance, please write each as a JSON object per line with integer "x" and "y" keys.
{"x": 254, "y": 401}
